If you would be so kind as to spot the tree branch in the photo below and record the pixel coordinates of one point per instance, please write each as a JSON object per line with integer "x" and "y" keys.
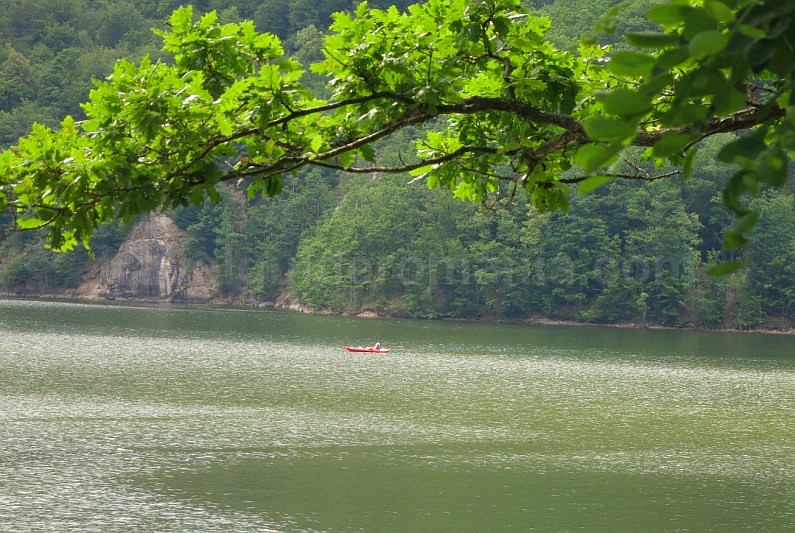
{"x": 741, "y": 120}
{"x": 636, "y": 177}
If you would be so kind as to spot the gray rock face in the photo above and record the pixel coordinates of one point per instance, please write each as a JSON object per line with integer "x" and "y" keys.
{"x": 151, "y": 264}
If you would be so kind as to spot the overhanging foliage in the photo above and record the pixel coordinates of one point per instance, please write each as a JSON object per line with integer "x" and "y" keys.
{"x": 504, "y": 109}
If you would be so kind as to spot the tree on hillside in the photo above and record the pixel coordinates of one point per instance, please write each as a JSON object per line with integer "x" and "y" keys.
{"x": 581, "y": 22}
{"x": 16, "y": 80}
{"x": 505, "y": 111}
{"x": 772, "y": 255}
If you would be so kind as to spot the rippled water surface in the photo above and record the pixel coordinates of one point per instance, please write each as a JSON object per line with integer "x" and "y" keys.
{"x": 131, "y": 418}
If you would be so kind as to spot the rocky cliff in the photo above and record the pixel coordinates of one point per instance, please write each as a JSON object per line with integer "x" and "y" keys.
{"x": 151, "y": 265}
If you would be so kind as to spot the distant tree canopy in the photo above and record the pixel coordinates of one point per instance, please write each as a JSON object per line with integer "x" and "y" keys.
{"x": 504, "y": 111}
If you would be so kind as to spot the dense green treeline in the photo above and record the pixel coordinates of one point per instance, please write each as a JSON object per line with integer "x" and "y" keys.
{"x": 625, "y": 252}
{"x": 253, "y": 243}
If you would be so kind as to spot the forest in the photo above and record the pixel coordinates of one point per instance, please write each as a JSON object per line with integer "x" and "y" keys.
{"x": 624, "y": 252}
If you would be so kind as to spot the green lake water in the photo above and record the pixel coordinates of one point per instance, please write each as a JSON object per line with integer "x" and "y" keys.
{"x": 137, "y": 418}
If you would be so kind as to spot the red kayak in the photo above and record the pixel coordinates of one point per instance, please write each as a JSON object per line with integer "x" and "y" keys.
{"x": 367, "y": 349}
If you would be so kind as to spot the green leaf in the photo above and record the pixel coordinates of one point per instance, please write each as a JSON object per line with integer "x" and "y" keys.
{"x": 181, "y": 19}
{"x": 684, "y": 114}
{"x": 668, "y": 14}
{"x": 420, "y": 171}
{"x": 746, "y": 223}
{"x": 213, "y": 195}
{"x": 589, "y": 37}
{"x": 671, "y": 143}
{"x": 728, "y": 101}
{"x": 688, "y": 165}
{"x": 751, "y": 31}
{"x": 648, "y": 39}
{"x": 772, "y": 167}
{"x": 703, "y": 82}
{"x": 724, "y": 268}
{"x": 733, "y": 191}
{"x": 733, "y": 240}
{"x": 609, "y": 129}
{"x": 225, "y": 125}
{"x": 592, "y": 157}
{"x": 274, "y": 185}
{"x": 671, "y": 58}
{"x": 745, "y": 147}
{"x": 61, "y": 242}
{"x": 698, "y": 20}
{"x": 589, "y": 184}
{"x": 317, "y": 143}
{"x": 367, "y": 153}
{"x": 251, "y": 190}
{"x": 30, "y": 223}
{"x": 707, "y": 43}
{"x": 625, "y": 102}
{"x": 347, "y": 159}
{"x": 657, "y": 83}
{"x": 719, "y": 11}
{"x": 631, "y": 63}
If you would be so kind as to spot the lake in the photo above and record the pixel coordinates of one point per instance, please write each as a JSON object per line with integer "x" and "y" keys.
{"x": 119, "y": 417}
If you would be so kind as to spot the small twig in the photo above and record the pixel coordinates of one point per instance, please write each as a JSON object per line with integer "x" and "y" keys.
{"x": 636, "y": 177}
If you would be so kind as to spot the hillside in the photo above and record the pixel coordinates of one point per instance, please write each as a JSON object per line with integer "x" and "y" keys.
{"x": 624, "y": 253}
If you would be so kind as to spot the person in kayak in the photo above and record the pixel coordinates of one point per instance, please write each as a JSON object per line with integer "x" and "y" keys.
{"x": 376, "y": 346}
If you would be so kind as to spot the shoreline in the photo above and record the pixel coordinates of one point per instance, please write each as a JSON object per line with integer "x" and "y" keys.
{"x": 632, "y": 325}
{"x": 286, "y": 304}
